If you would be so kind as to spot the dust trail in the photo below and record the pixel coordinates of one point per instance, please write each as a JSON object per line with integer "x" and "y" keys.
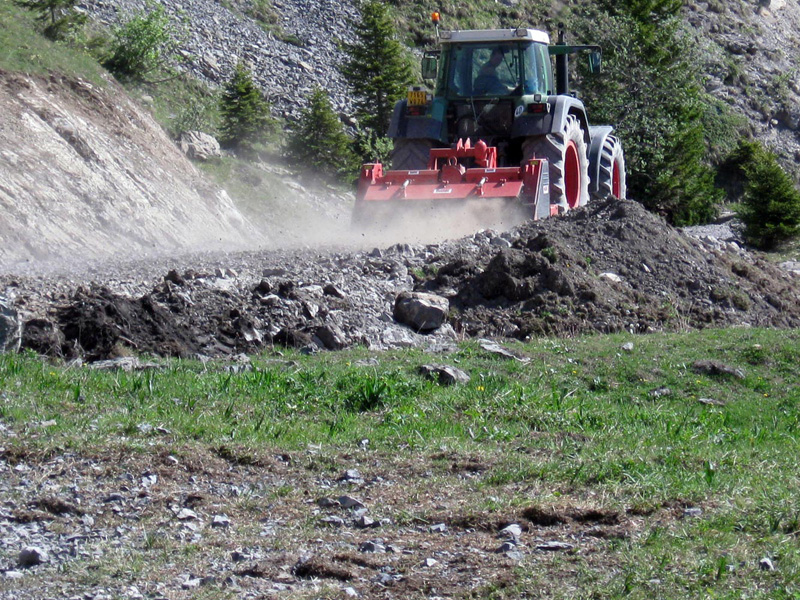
{"x": 411, "y": 222}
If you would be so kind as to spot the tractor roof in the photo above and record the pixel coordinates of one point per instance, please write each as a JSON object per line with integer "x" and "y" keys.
{"x": 493, "y": 35}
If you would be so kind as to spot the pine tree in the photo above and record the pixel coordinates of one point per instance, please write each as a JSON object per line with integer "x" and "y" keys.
{"x": 58, "y": 16}
{"x": 319, "y": 141}
{"x": 651, "y": 90}
{"x": 245, "y": 115}
{"x": 770, "y": 207}
{"x": 377, "y": 69}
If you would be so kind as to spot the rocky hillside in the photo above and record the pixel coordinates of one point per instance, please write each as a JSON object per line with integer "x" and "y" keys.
{"x": 220, "y": 34}
{"x": 753, "y": 51}
{"x": 750, "y": 48}
{"x": 85, "y": 172}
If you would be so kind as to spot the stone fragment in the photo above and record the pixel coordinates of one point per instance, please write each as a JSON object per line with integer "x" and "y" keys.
{"x": 221, "y": 521}
{"x": 429, "y": 562}
{"x": 364, "y": 522}
{"x": 331, "y": 337}
{"x": 692, "y": 512}
{"x": 554, "y": 546}
{"x": 611, "y": 277}
{"x": 10, "y": 327}
{"x": 352, "y": 475}
{"x": 495, "y": 348}
{"x": 444, "y": 374}
{"x": 506, "y": 547}
{"x": 438, "y": 528}
{"x": 32, "y": 556}
{"x": 713, "y": 367}
{"x": 375, "y": 546}
{"x": 350, "y": 502}
{"x": 512, "y": 531}
{"x": 186, "y": 514}
{"x": 421, "y": 311}
{"x": 627, "y": 347}
{"x": 710, "y": 402}
{"x": 765, "y": 564}
{"x": 333, "y": 521}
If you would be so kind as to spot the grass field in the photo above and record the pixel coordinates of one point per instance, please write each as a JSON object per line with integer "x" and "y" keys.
{"x": 639, "y": 436}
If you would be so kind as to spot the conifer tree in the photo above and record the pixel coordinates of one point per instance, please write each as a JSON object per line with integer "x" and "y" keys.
{"x": 245, "y": 115}
{"x": 377, "y": 69}
{"x": 651, "y": 90}
{"x": 59, "y": 17}
{"x": 770, "y": 207}
{"x": 319, "y": 141}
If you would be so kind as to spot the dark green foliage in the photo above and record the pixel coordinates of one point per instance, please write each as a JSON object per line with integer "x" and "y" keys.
{"x": 319, "y": 142}
{"x": 650, "y": 90}
{"x": 245, "y": 115}
{"x": 378, "y": 69}
{"x": 649, "y": 14}
{"x": 58, "y": 17}
{"x": 771, "y": 203}
{"x": 371, "y": 147}
{"x": 143, "y": 45}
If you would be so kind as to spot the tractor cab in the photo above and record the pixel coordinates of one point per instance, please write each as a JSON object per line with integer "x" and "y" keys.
{"x": 487, "y": 79}
{"x": 505, "y": 66}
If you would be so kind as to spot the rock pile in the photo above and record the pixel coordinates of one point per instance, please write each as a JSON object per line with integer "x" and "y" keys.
{"x": 611, "y": 266}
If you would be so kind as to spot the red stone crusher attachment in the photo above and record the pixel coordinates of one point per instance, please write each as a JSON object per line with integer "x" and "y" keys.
{"x": 454, "y": 175}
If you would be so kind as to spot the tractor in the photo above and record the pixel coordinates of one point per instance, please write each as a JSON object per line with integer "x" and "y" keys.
{"x": 498, "y": 124}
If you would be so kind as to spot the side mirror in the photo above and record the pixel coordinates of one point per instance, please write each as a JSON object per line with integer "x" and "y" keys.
{"x": 430, "y": 67}
{"x": 595, "y": 59}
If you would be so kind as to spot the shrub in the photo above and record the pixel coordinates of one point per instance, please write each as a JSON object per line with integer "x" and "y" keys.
{"x": 245, "y": 114}
{"x": 771, "y": 203}
{"x": 378, "y": 69}
{"x": 59, "y": 17}
{"x": 143, "y": 44}
{"x": 319, "y": 141}
{"x": 371, "y": 147}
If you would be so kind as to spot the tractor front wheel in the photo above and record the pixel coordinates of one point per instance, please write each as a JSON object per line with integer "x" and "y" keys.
{"x": 565, "y": 152}
{"x": 411, "y": 154}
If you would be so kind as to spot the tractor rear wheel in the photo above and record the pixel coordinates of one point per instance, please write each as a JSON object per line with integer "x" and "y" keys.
{"x": 565, "y": 152}
{"x": 611, "y": 179}
{"x": 410, "y": 154}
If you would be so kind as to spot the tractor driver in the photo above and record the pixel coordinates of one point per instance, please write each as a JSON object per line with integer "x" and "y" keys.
{"x": 488, "y": 83}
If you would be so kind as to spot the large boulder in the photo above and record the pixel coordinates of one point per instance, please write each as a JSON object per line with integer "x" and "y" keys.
{"x": 10, "y": 328}
{"x": 199, "y": 146}
{"x": 420, "y": 311}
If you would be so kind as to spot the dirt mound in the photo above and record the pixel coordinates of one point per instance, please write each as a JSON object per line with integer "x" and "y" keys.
{"x": 612, "y": 267}
{"x": 609, "y": 267}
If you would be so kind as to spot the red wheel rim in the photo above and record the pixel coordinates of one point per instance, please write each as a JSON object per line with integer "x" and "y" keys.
{"x": 572, "y": 175}
{"x": 616, "y": 181}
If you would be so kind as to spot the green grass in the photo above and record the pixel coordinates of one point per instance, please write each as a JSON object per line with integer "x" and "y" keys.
{"x": 24, "y": 50}
{"x": 583, "y": 407}
{"x": 577, "y": 425}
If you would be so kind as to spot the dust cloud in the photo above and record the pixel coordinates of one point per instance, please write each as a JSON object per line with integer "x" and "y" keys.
{"x": 401, "y": 222}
